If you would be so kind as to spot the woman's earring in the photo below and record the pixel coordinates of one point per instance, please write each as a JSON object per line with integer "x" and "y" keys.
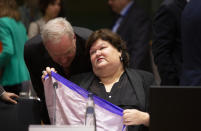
{"x": 121, "y": 58}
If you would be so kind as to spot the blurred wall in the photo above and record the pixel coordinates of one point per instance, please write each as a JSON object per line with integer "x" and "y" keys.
{"x": 95, "y": 14}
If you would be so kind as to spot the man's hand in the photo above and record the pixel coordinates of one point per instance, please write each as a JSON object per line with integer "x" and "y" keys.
{"x": 7, "y": 96}
{"x": 47, "y": 71}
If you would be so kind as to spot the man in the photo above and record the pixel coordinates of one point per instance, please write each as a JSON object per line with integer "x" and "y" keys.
{"x": 191, "y": 48}
{"x": 166, "y": 45}
{"x": 134, "y": 27}
{"x": 59, "y": 47}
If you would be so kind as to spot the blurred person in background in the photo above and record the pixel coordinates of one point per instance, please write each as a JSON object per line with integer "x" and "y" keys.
{"x": 29, "y": 11}
{"x": 191, "y": 48}
{"x": 12, "y": 65}
{"x": 50, "y": 9}
{"x": 134, "y": 27}
{"x": 167, "y": 45}
{"x": 0, "y": 47}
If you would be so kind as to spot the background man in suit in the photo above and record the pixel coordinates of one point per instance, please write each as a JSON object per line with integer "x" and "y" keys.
{"x": 60, "y": 47}
{"x": 134, "y": 27}
{"x": 191, "y": 49}
{"x": 166, "y": 45}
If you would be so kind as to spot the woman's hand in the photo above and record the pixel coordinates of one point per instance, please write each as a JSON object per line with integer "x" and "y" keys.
{"x": 47, "y": 71}
{"x": 135, "y": 117}
{"x": 7, "y": 96}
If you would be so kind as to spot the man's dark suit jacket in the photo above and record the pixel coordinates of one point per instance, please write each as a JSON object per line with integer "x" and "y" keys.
{"x": 166, "y": 45}
{"x": 135, "y": 29}
{"x": 140, "y": 81}
{"x": 37, "y": 59}
{"x": 191, "y": 38}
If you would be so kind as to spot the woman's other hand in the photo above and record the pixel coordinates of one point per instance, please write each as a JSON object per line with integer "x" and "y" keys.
{"x": 135, "y": 117}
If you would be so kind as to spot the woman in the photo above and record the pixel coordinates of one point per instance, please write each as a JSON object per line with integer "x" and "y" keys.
{"x": 13, "y": 37}
{"x": 113, "y": 81}
{"x": 50, "y": 9}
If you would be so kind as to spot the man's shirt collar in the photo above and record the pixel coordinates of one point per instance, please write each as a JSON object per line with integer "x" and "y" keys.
{"x": 125, "y": 9}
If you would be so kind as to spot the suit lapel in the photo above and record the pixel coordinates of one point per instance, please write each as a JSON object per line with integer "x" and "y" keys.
{"x": 136, "y": 83}
{"x": 125, "y": 19}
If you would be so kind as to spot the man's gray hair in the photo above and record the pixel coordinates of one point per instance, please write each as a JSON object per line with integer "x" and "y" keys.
{"x": 55, "y": 29}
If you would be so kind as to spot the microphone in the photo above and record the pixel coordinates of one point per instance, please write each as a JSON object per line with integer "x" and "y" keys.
{"x": 55, "y": 86}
